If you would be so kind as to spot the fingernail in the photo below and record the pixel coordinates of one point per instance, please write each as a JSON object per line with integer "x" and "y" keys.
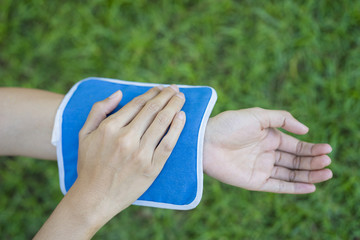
{"x": 181, "y": 115}
{"x": 329, "y": 148}
{"x": 180, "y": 95}
{"x": 173, "y": 86}
{"x": 329, "y": 174}
{"x": 115, "y": 94}
{"x": 305, "y": 188}
{"x": 306, "y": 128}
{"x": 326, "y": 160}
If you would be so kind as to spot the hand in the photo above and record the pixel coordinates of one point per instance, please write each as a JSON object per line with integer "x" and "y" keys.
{"x": 243, "y": 148}
{"x": 119, "y": 158}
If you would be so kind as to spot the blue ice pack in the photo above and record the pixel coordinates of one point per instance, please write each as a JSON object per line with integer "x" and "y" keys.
{"x": 180, "y": 183}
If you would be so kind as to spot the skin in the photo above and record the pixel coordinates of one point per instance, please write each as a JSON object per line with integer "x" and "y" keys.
{"x": 119, "y": 158}
{"x": 243, "y": 148}
{"x": 25, "y": 115}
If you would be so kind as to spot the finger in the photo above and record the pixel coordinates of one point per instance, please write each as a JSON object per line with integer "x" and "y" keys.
{"x": 147, "y": 114}
{"x": 129, "y": 111}
{"x": 167, "y": 144}
{"x": 280, "y": 119}
{"x": 281, "y": 186}
{"x": 288, "y": 175}
{"x": 300, "y": 162}
{"x": 292, "y": 145}
{"x": 162, "y": 121}
{"x": 99, "y": 111}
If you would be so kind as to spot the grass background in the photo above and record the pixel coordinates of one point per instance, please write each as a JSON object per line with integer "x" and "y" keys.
{"x": 302, "y": 56}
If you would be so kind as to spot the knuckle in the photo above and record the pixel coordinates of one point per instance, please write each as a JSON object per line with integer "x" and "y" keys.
{"x": 288, "y": 114}
{"x": 126, "y": 137}
{"x": 170, "y": 90}
{"x": 153, "y": 106}
{"x": 292, "y": 176}
{"x": 155, "y": 90}
{"x": 257, "y": 109}
{"x": 278, "y": 139}
{"x": 177, "y": 124}
{"x": 281, "y": 186}
{"x": 299, "y": 147}
{"x": 296, "y": 162}
{"x": 125, "y": 145}
{"x": 309, "y": 177}
{"x": 107, "y": 128}
{"x": 276, "y": 172}
{"x": 139, "y": 101}
{"x": 163, "y": 118}
{"x": 278, "y": 157}
{"x": 283, "y": 124}
{"x": 310, "y": 164}
{"x": 142, "y": 162}
{"x": 179, "y": 98}
{"x": 81, "y": 133}
{"x": 97, "y": 106}
{"x": 283, "y": 112}
{"x": 312, "y": 148}
{"x": 142, "y": 157}
{"x": 163, "y": 151}
{"x": 150, "y": 172}
{"x": 167, "y": 148}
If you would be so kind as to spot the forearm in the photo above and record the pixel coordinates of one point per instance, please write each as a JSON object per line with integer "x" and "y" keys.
{"x": 78, "y": 216}
{"x": 26, "y": 122}
{"x": 113, "y": 170}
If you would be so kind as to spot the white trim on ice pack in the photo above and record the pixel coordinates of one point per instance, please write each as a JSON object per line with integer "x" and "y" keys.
{"x": 56, "y": 140}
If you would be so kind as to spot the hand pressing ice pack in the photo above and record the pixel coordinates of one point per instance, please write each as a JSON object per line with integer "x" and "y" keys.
{"x": 180, "y": 183}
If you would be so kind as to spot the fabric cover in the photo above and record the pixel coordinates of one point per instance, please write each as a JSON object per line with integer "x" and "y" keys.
{"x": 180, "y": 183}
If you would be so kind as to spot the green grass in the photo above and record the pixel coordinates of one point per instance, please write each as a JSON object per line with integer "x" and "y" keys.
{"x": 302, "y": 56}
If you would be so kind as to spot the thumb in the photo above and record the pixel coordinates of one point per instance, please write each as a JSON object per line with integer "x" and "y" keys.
{"x": 99, "y": 112}
{"x": 281, "y": 119}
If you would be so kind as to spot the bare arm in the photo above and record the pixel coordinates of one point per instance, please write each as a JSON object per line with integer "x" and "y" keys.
{"x": 26, "y": 120}
{"x": 246, "y": 149}
{"x": 119, "y": 158}
{"x": 232, "y": 139}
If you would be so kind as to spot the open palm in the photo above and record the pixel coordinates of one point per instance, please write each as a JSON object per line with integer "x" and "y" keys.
{"x": 244, "y": 148}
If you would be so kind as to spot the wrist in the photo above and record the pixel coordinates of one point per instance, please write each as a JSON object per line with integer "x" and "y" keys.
{"x": 86, "y": 207}
{"x": 207, "y": 147}
{"x": 75, "y": 217}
